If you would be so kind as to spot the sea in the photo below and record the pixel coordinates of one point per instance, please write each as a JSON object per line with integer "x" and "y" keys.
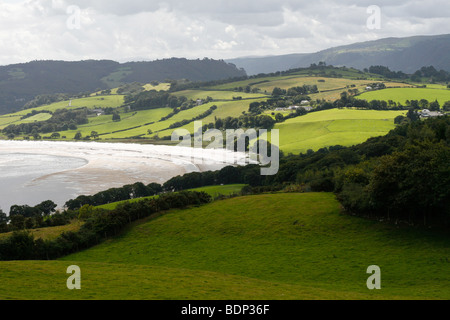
{"x": 25, "y": 179}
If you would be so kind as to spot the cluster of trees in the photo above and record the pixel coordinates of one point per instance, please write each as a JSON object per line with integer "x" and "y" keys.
{"x": 432, "y": 74}
{"x": 127, "y": 192}
{"x": 99, "y": 225}
{"x": 295, "y": 91}
{"x": 429, "y": 72}
{"x": 154, "y": 99}
{"x": 297, "y": 113}
{"x": 247, "y": 89}
{"x": 244, "y": 121}
{"x": 402, "y": 176}
{"x": 184, "y": 106}
{"x": 26, "y": 217}
{"x": 227, "y": 175}
{"x": 130, "y": 89}
{"x": 387, "y": 73}
{"x": 61, "y": 120}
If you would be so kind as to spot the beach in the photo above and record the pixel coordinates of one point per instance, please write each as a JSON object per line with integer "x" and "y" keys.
{"x": 91, "y": 167}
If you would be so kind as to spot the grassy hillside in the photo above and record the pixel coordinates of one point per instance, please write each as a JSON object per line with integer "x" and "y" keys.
{"x": 106, "y": 101}
{"x": 344, "y": 127}
{"x": 313, "y": 131}
{"x": 403, "y": 94}
{"x": 278, "y": 246}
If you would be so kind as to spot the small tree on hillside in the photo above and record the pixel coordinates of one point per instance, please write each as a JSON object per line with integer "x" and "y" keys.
{"x": 78, "y": 136}
{"x": 116, "y": 117}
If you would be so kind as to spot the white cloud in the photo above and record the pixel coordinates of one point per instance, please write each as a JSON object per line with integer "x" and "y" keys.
{"x": 120, "y": 30}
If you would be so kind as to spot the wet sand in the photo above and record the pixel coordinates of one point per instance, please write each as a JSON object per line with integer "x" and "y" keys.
{"x": 110, "y": 165}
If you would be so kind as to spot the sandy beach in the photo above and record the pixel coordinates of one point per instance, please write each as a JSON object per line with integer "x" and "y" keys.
{"x": 109, "y": 165}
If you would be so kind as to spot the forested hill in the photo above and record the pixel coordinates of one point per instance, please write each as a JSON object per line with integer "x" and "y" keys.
{"x": 399, "y": 54}
{"x": 19, "y": 83}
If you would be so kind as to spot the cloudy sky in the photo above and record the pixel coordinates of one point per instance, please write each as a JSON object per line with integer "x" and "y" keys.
{"x": 125, "y": 30}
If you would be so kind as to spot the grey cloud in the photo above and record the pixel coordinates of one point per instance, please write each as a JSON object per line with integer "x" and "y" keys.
{"x": 31, "y": 29}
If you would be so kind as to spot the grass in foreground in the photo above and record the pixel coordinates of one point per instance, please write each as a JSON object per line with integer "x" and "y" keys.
{"x": 278, "y": 246}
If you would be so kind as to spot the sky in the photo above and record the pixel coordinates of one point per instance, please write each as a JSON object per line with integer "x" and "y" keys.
{"x": 132, "y": 30}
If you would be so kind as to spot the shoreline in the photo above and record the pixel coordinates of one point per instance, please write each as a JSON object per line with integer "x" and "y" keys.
{"x": 112, "y": 165}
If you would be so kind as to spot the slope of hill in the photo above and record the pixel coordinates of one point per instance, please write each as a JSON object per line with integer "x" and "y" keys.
{"x": 399, "y": 54}
{"x": 345, "y": 127}
{"x": 20, "y": 83}
{"x": 273, "y": 246}
{"x": 296, "y": 135}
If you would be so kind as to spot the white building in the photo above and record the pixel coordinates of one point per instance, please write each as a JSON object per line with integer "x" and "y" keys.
{"x": 425, "y": 113}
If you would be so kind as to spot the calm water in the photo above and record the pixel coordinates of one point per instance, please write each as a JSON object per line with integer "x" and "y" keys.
{"x": 20, "y": 181}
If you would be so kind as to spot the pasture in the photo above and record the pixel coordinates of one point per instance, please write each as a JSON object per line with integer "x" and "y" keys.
{"x": 327, "y": 128}
{"x": 403, "y": 94}
{"x": 274, "y": 246}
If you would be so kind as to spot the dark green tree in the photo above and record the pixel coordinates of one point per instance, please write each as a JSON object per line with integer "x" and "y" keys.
{"x": 78, "y": 136}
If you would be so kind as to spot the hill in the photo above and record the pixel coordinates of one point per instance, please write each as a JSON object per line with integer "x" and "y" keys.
{"x": 399, "y": 54}
{"x": 20, "y": 83}
{"x": 232, "y": 99}
{"x": 273, "y": 246}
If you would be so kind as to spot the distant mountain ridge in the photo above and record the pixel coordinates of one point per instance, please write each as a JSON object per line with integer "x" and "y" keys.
{"x": 20, "y": 83}
{"x": 399, "y": 54}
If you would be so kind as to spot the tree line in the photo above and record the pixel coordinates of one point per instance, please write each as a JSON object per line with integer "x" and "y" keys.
{"x": 428, "y": 72}
{"x": 199, "y": 117}
{"x": 127, "y": 192}
{"x": 153, "y": 99}
{"x": 27, "y": 217}
{"x": 98, "y": 225}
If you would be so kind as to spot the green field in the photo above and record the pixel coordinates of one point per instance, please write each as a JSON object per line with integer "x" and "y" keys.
{"x": 112, "y": 101}
{"x": 8, "y": 119}
{"x": 159, "y": 87}
{"x": 104, "y": 125}
{"x": 344, "y": 127}
{"x": 403, "y": 94}
{"x": 38, "y": 117}
{"x": 217, "y": 95}
{"x": 329, "y": 88}
{"x": 50, "y": 233}
{"x": 277, "y": 246}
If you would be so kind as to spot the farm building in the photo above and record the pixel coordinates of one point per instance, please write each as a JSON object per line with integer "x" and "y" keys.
{"x": 429, "y": 114}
